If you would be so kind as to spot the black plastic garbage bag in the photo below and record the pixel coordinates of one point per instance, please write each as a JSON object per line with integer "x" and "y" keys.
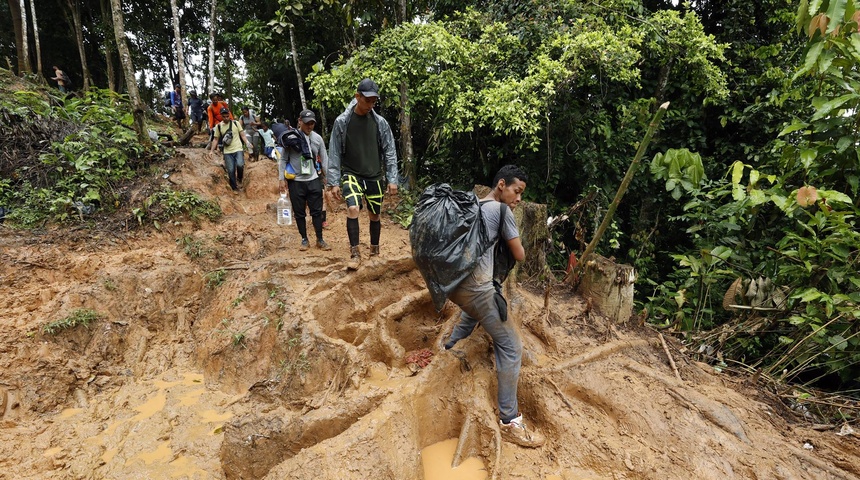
{"x": 447, "y": 237}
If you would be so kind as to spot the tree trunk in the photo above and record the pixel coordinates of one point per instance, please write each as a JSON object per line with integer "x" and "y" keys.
{"x": 109, "y": 48}
{"x": 228, "y": 82}
{"x": 407, "y": 151}
{"x": 180, "y": 58}
{"x": 75, "y": 10}
{"x": 406, "y": 136}
{"x": 25, "y": 37}
{"x": 15, "y": 10}
{"x": 36, "y": 37}
{"x": 211, "y": 79}
{"x": 296, "y": 64}
{"x": 138, "y": 109}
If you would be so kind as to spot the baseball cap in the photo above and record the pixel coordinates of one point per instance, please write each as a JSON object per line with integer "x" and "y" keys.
{"x": 225, "y": 111}
{"x": 368, "y": 88}
{"x": 307, "y": 116}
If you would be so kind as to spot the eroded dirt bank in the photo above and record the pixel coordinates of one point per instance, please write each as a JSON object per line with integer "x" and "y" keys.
{"x": 287, "y": 366}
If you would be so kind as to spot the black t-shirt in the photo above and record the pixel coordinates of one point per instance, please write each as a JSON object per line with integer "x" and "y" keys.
{"x": 362, "y": 148}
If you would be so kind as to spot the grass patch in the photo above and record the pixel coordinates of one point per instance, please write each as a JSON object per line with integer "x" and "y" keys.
{"x": 215, "y": 278}
{"x": 192, "y": 247}
{"x": 81, "y": 316}
{"x": 166, "y": 204}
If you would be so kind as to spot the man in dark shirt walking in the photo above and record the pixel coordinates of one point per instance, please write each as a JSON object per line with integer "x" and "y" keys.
{"x": 361, "y": 156}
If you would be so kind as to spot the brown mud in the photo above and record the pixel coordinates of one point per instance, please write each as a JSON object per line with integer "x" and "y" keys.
{"x": 287, "y": 366}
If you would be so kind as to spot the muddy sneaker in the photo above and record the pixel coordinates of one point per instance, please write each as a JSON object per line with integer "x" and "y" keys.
{"x": 305, "y": 245}
{"x": 322, "y": 245}
{"x": 325, "y": 224}
{"x": 374, "y": 250}
{"x": 516, "y": 432}
{"x": 354, "y": 259}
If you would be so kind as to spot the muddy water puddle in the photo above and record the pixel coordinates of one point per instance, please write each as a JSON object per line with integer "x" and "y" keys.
{"x": 168, "y": 427}
{"x": 436, "y": 461}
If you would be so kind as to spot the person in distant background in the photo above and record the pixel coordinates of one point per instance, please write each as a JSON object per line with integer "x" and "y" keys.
{"x": 250, "y": 121}
{"x": 177, "y": 106}
{"x": 214, "y": 111}
{"x": 268, "y": 140}
{"x": 196, "y": 107}
{"x": 60, "y": 78}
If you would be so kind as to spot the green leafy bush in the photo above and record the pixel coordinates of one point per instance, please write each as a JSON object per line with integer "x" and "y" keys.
{"x": 85, "y": 148}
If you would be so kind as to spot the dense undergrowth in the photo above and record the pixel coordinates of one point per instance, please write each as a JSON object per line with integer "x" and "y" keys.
{"x": 64, "y": 158}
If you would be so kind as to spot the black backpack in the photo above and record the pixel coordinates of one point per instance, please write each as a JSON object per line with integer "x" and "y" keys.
{"x": 167, "y": 101}
{"x": 67, "y": 82}
{"x": 448, "y": 239}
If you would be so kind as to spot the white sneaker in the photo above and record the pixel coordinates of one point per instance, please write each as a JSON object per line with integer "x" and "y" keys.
{"x": 516, "y": 432}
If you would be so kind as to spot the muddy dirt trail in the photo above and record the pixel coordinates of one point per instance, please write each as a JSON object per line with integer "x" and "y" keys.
{"x": 222, "y": 351}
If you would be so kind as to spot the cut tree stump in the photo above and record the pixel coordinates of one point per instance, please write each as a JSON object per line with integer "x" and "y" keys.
{"x": 608, "y": 287}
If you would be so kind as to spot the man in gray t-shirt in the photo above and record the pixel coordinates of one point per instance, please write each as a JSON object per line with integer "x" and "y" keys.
{"x": 481, "y": 304}
{"x": 250, "y": 122}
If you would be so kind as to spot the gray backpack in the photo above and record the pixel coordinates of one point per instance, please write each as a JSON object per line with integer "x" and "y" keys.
{"x": 227, "y": 138}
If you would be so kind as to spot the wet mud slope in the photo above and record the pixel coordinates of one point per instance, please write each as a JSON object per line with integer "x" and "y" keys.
{"x": 221, "y": 351}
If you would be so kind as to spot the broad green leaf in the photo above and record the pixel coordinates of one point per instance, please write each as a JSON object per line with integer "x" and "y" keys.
{"x": 830, "y": 105}
{"x": 754, "y": 175}
{"x": 838, "y": 341}
{"x": 835, "y": 12}
{"x": 807, "y": 156}
{"x": 835, "y": 196}
{"x": 722, "y": 252}
{"x": 795, "y": 126}
{"x": 803, "y": 16}
{"x": 737, "y": 172}
{"x": 757, "y": 197}
{"x": 779, "y": 201}
{"x": 808, "y": 295}
{"x": 814, "y": 6}
{"x": 811, "y": 59}
{"x": 855, "y": 46}
{"x": 843, "y": 143}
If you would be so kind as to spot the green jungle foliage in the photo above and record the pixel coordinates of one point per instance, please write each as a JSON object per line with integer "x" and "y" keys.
{"x": 778, "y": 237}
{"x": 65, "y": 157}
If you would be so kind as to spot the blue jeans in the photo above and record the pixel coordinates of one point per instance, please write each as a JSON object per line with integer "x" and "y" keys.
{"x": 480, "y": 307}
{"x": 235, "y": 165}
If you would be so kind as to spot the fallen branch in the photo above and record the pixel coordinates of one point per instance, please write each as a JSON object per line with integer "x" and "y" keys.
{"x": 669, "y": 355}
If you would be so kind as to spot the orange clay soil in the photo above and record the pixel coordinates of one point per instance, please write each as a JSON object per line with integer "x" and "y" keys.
{"x": 224, "y": 352}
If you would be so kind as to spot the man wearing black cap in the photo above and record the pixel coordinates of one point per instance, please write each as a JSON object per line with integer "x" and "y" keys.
{"x": 361, "y": 156}
{"x": 234, "y": 155}
{"x": 306, "y": 190}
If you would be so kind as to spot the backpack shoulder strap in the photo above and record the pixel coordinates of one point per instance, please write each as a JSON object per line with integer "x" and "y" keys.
{"x": 503, "y": 210}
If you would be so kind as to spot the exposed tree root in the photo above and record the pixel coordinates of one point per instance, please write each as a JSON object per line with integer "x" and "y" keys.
{"x": 598, "y": 353}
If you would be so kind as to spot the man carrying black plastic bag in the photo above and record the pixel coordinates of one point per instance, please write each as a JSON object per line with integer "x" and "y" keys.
{"x": 482, "y": 303}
